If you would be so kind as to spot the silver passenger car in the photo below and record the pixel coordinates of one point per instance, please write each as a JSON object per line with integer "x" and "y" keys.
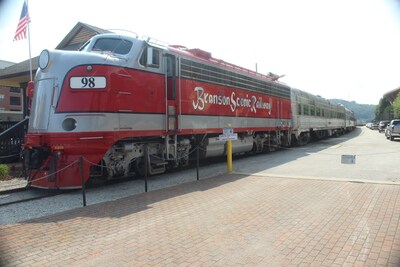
{"x": 314, "y": 116}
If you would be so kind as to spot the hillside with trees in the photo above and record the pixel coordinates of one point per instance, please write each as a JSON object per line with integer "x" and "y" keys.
{"x": 386, "y": 110}
{"x": 363, "y": 112}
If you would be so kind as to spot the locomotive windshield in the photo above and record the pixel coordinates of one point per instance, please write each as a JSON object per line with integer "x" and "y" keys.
{"x": 111, "y": 45}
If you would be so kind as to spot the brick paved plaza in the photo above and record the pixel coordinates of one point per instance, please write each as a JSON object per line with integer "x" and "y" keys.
{"x": 230, "y": 220}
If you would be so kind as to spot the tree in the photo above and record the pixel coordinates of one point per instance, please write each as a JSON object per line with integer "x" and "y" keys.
{"x": 389, "y": 113}
{"x": 396, "y": 106}
{"x": 383, "y": 109}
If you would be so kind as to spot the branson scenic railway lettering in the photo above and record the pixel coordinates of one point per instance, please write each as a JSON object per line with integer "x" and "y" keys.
{"x": 252, "y": 102}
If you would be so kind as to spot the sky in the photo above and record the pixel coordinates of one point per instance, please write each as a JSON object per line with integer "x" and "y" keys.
{"x": 345, "y": 49}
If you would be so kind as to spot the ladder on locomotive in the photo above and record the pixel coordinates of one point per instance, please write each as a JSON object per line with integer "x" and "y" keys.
{"x": 172, "y": 103}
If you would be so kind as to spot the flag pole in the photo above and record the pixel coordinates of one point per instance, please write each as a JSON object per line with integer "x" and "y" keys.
{"x": 29, "y": 43}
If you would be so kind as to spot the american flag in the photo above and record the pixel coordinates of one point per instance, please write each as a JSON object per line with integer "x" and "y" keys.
{"x": 20, "y": 33}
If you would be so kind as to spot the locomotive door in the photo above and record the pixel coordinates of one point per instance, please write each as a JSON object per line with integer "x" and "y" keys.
{"x": 172, "y": 84}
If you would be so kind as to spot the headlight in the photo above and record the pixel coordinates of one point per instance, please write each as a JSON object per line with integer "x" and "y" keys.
{"x": 69, "y": 124}
{"x": 44, "y": 59}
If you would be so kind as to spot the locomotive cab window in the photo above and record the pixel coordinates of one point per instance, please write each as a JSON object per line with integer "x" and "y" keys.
{"x": 113, "y": 45}
{"x": 150, "y": 58}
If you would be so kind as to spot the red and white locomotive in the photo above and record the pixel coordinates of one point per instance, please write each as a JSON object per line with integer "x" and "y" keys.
{"x": 120, "y": 95}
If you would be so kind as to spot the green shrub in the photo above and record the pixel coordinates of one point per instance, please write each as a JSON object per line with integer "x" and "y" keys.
{"x": 3, "y": 171}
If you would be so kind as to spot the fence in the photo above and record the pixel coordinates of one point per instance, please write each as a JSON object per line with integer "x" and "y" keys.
{"x": 82, "y": 159}
{"x": 11, "y": 140}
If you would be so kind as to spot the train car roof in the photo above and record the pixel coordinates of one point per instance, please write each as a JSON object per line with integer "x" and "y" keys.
{"x": 311, "y": 96}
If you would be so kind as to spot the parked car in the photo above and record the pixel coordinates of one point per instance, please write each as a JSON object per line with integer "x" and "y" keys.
{"x": 382, "y": 125}
{"x": 387, "y": 130}
{"x": 393, "y": 129}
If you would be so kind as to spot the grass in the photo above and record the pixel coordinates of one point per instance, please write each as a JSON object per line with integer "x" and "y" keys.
{"x": 4, "y": 172}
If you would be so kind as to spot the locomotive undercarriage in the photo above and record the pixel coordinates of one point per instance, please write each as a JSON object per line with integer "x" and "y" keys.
{"x": 127, "y": 157}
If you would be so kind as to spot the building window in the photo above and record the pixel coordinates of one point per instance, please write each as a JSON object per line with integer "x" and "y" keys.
{"x": 15, "y": 90}
{"x": 1, "y": 98}
{"x": 15, "y": 100}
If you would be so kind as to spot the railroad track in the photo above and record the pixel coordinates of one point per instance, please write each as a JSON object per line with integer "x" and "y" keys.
{"x": 25, "y": 194}
{"x": 20, "y": 195}
{"x": 13, "y": 190}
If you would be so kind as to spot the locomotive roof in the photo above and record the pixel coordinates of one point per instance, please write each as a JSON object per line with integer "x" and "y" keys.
{"x": 205, "y": 56}
{"x": 199, "y": 54}
{"x": 196, "y": 54}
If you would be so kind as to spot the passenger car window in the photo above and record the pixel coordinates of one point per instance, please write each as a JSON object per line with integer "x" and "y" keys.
{"x": 305, "y": 110}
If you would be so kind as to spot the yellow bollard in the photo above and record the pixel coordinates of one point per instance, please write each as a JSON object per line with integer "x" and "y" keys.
{"x": 229, "y": 155}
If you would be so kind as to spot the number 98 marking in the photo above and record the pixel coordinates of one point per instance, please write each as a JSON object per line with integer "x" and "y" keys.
{"x": 87, "y": 82}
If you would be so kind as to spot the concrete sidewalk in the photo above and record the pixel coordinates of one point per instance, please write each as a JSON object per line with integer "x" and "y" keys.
{"x": 228, "y": 220}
